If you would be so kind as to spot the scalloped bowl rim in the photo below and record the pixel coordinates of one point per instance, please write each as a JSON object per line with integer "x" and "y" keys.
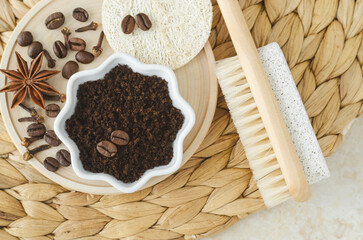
{"x": 98, "y": 73}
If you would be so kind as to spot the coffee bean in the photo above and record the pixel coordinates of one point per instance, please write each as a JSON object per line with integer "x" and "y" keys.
{"x": 77, "y": 44}
{"x": 51, "y": 164}
{"x": 59, "y": 49}
{"x": 143, "y": 21}
{"x": 25, "y": 39}
{"x": 80, "y": 14}
{"x": 55, "y": 20}
{"x": 36, "y": 130}
{"x": 35, "y": 49}
{"x": 52, "y": 110}
{"x": 128, "y": 24}
{"x": 64, "y": 157}
{"x": 120, "y": 137}
{"x": 84, "y": 57}
{"x": 69, "y": 69}
{"x": 107, "y": 148}
{"x": 51, "y": 138}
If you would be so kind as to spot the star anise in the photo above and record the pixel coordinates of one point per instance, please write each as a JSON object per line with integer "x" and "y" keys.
{"x": 29, "y": 81}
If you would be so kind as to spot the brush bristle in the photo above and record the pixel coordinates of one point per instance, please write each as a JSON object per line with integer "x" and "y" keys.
{"x": 252, "y": 132}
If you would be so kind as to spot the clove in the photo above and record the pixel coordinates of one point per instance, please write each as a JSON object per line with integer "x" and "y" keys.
{"x": 97, "y": 50}
{"x": 32, "y": 111}
{"x": 51, "y": 61}
{"x": 66, "y": 33}
{"x": 38, "y": 119}
{"x": 93, "y": 26}
{"x": 30, "y": 153}
{"x": 60, "y": 97}
{"x": 27, "y": 141}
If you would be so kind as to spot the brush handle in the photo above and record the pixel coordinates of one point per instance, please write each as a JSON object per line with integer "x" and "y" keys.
{"x": 265, "y": 100}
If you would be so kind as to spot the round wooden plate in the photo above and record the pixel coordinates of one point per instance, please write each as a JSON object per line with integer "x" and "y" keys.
{"x": 197, "y": 84}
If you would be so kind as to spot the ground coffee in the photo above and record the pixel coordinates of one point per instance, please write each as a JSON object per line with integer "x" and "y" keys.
{"x": 136, "y": 104}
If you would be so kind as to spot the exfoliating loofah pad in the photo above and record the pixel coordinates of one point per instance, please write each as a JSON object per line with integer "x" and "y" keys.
{"x": 293, "y": 112}
{"x": 179, "y": 30}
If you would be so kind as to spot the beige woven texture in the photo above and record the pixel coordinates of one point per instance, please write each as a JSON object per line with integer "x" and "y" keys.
{"x": 322, "y": 42}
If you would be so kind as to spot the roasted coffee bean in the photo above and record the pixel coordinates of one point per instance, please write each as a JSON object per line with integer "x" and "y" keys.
{"x": 143, "y": 21}
{"x": 120, "y": 137}
{"x": 51, "y": 164}
{"x": 69, "y": 69}
{"x": 52, "y": 110}
{"x": 35, "y": 49}
{"x": 84, "y": 57}
{"x": 128, "y": 24}
{"x": 64, "y": 157}
{"x": 51, "y": 138}
{"x": 25, "y": 39}
{"x": 55, "y": 20}
{"x": 80, "y": 14}
{"x": 36, "y": 130}
{"x": 77, "y": 44}
{"x": 107, "y": 148}
{"x": 59, "y": 49}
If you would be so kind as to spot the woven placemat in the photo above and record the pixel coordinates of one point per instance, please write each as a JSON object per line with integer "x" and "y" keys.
{"x": 322, "y": 42}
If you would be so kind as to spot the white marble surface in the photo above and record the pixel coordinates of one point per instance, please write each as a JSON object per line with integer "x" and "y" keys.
{"x": 335, "y": 210}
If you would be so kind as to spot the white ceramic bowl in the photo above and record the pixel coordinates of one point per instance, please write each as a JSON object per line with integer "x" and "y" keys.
{"x": 98, "y": 73}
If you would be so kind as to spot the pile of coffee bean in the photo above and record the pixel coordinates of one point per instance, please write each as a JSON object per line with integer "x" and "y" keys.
{"x": 60, "y": 49}
{"x": 142, "y": 21}
{"x": 124, "y": 124}
{"x": 63, "y": 158}
{"x": 109, "y": 149}
{"x": 34, "y": 47}
{"x": 56, "y": 20}
{"x": 37, "y": 131}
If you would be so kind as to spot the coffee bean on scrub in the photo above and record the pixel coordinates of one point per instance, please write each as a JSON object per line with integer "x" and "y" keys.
{"x": 35, "y": 49}
{"x": 107, "y": 149}
{"x": 25, "y": 39}
{"x": 59, "y": 49}
{"x": 80, "y": 14}
{"x": 69, "y": 69}
{"x": 120, "y": 137}
{"x": 77, "y": 44}
{"x": 51, "y": 164}
{"x": 52, "y": 110}
{"x": 36, "y": 130}
{"x": 128, "y": 24}
{"x": 51, "y": 138}
{"x": 143, "y": 21}
{"x": 85, "y": 57}
{"x": 64, "y": 157}
{"x": 55, "y": 20}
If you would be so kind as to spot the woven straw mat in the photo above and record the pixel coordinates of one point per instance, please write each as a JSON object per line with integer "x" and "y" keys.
{"x": 322, "y": 42}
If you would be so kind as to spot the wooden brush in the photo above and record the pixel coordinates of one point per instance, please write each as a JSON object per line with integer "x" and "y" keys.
{"x": 256, "y": 114}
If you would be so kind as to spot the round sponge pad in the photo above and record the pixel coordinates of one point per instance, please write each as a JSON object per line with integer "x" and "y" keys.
{"x": 179, "y": 29}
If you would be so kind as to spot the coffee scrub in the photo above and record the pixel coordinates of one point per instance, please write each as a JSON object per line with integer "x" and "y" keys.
{"x": 124, "y": 124}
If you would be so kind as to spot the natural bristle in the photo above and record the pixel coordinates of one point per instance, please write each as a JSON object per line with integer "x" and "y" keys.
{"x": 252, "y": 132}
